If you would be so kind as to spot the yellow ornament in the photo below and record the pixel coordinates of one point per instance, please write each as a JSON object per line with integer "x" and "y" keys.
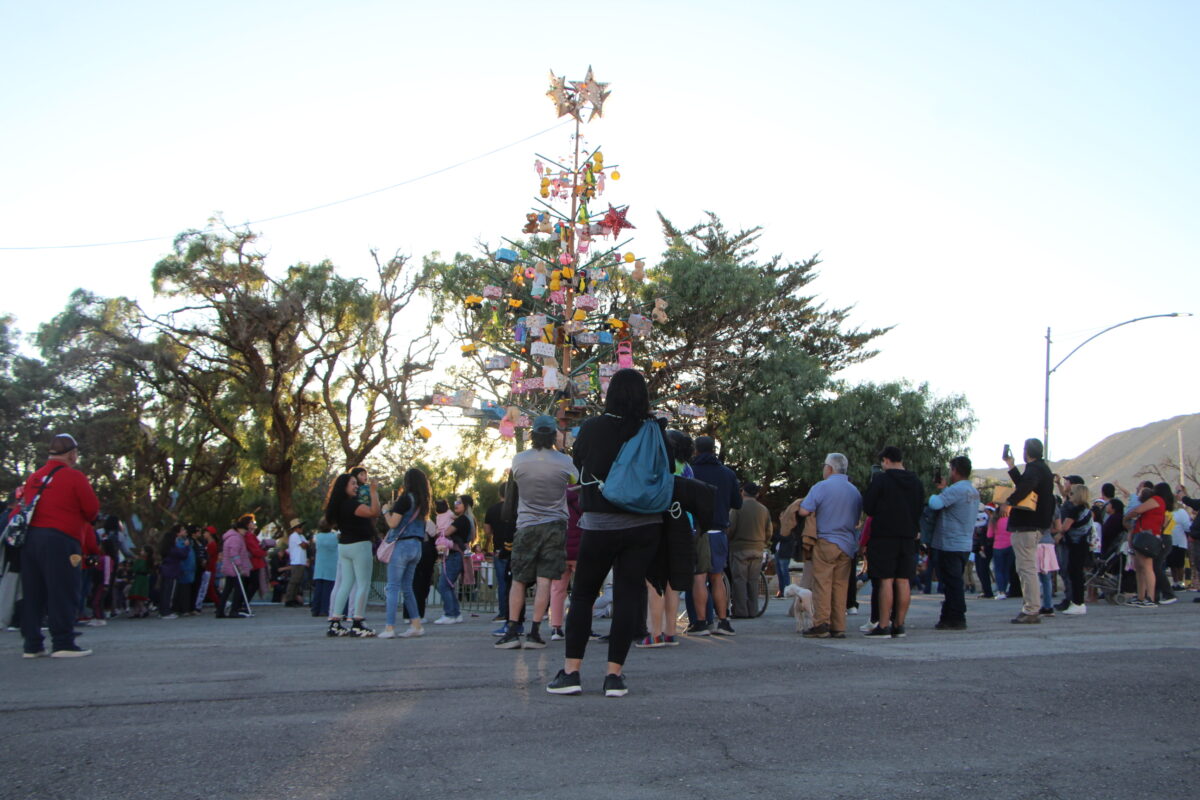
{"x": 568, "y": 273}
{"x": 629, "y": 258}
{"x": 580, "y": 315}
{"x": 616, "y": 176}
{"x": 424, "y": 433}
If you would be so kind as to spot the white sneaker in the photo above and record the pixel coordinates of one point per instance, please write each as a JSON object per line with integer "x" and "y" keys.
{"x": 96, "y": 623}
{"x": 388, "y": 633}
{"x": 412, "y": 632}
{"x": 866, "y": 626}
{"x": 444, "y": 620}
{"x": 170, "y": 616}
{"x": 454, "y": 620}
{"x": 852, "y": 610}
{"x": 1001, "y": 596}
{"x": 1074, "y": 609}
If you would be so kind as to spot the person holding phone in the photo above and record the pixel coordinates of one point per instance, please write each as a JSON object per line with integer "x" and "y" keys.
{"x": 1032, "y": 514}
{"x": 353, "y": 518}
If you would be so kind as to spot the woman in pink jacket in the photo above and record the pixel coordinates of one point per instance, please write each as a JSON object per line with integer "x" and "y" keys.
{"x": 234, "y": 567}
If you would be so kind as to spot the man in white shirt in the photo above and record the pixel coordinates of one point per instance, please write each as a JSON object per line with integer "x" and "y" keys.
{"x": 298, "y": 559}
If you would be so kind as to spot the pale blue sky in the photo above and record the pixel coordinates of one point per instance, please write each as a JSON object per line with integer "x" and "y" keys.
{"x": 971, "y": 172}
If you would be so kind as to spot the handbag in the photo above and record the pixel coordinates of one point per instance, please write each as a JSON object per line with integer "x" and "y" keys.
{"x": 18, "y": 523}
{"x": 1029, "y": 503}
{"x": 384, "y": 551}
{"x": 1147, "y": 544}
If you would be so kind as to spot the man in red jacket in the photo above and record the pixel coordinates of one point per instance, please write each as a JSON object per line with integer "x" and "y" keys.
{"x": 52, "y": 555}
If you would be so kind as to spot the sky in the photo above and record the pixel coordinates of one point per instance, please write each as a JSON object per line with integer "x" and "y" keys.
{"x": 971, "y": 173}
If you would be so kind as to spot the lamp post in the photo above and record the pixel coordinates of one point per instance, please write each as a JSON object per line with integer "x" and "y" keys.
{"x": 1050, "y": 371}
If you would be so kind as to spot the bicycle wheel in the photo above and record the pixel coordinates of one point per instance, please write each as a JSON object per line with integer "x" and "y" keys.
{"x": 764, "y": 595}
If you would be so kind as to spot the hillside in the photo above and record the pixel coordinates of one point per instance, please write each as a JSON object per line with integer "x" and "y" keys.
{"x": 1119, "y": 457}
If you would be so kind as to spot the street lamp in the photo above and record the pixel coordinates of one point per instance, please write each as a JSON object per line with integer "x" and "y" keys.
{"x": 1049, "y": 371}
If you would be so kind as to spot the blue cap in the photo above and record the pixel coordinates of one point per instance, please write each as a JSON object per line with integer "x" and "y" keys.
{"x": 544, "y": 423}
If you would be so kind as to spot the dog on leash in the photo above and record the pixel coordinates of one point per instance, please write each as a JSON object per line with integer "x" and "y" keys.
{"x": 802, "y": 606}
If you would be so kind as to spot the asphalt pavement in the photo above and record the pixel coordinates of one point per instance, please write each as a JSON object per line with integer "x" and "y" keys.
{"x": 1103, "y": 705}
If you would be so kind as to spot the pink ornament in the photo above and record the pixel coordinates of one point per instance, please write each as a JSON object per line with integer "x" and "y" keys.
{"x": 625, "y": 355}
{"x": 565, "y": 258}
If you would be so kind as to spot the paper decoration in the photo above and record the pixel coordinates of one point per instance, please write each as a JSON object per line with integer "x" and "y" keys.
{"x": 492, "y": 292}
{"x": 625, "y": 355}
{"x": 608, "y": 370}
{"x": 587, "y": 338}
{"x": 497, "y": 362}
{"x": 440, "y": 399}
{"x": 550, "y": 378}
{"x": 506, "y": 256}
{"x": 464, "y": 398}
{"x": 532, "y": 384}
{"x": 535, "y": 321}
{"x": 688, "y": 410}
{"x": 587, "y": 302}
{"x": 542, "y": 349}
{"x": 559, "y": 297}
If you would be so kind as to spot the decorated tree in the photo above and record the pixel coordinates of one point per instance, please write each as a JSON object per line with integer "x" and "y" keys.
{"x": 546, "y": 320}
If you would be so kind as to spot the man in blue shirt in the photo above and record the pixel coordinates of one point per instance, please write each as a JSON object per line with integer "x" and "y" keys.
{"x": 838, "y": 506}
{"x": 957, "y": 506}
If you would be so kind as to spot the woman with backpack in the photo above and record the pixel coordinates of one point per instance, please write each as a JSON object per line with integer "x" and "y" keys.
{"x": 406, "y": 528}
{"x": 460, "y": 533}
{"x": 613, "y": 538}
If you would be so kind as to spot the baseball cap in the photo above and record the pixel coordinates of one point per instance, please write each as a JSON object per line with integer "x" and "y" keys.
{"x": 544, "y": 423}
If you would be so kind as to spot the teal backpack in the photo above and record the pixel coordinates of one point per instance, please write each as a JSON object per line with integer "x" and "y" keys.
{"x": 640, "y": 480}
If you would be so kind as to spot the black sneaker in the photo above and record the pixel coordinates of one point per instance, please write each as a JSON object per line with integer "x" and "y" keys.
{"x": 879, "y": 633}
{"x": 816, "y": 632}
{"x": 74, "y": 651}
{"x": 557, "y": 635}
{"x": 534, "y": 641}
{"x": 943, "y": 625}
{"x": 697, "y": 629}
{"x": 511, "y": 640}
{"x": 837, "y": 634}
{"x": 1166, "y": 601}
{"x": 362, "y": 631}
{"x": 724, "y": 628}
{"x": 1064, "y": 605}
{"x": 1046, "y": 612}
{"x": 614, "y": 686}
{"x": 564, "y": 683}
{"x": 335, "y": 629}
{"x": 898, "y": 632}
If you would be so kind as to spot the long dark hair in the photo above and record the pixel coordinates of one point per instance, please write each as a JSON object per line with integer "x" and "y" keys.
{"x": 337, "y": 490}
{"x": 1163, "y": 490}
{"x": 629, "y": 399}
{"x": 417, "y": 484}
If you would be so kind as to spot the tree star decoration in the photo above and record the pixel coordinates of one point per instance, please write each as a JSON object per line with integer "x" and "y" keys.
{"x": 592, "y": 92}
{"x": 614, "y": 219}
{"x": 565, "y": 102}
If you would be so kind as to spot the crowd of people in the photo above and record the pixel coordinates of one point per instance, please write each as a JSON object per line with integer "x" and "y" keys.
{"x": 624, "y": 514}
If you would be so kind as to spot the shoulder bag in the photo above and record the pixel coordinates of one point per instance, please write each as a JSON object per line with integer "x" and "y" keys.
{"x": 18, "y": 524}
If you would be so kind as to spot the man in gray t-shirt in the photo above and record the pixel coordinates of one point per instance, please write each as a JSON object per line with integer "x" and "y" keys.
{"x": 538, "y": 493}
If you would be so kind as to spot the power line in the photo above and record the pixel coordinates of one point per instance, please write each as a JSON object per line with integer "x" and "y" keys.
{"x": 320, "y": 207}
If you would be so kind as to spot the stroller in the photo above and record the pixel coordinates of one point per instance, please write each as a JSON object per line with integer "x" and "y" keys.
{"x": 1108, "y": 571}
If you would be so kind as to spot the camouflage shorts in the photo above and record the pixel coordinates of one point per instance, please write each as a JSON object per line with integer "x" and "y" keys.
{"x": 539, "y": 551}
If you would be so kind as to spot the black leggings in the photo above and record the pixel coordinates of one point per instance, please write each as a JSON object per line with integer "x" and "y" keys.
{"x": 628, "y": 553}
{"x": 1077, "y": 553}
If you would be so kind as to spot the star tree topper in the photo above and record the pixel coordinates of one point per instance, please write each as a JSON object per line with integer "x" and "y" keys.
{"x": 591, "y": 91}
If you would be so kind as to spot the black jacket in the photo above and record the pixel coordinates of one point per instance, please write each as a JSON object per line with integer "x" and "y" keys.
{"x": 595, "y": 450}
{"x": 894, "y": 501}
{"x": 676, "y": 558}
{"x": 1036, "y": 478}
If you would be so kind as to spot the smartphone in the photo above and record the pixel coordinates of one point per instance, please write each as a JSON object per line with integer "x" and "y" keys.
{"x": 937, "y": 477}
{"x": 1007, "y": 452}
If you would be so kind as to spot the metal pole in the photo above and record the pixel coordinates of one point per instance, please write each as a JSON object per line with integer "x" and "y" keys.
{"x": 1046, "y": 405}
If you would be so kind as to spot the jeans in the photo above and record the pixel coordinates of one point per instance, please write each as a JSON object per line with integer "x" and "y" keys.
{"x": 452, "y": 567}
{"x": 1002, "y": 562}
{"x": 782, "y": 576}
{"x": 50, "y": 587}
{"x": 1046, "y": 583}
{"x": 501, "y": 568}
{"x": 1162, "y": 584}
{"x": 983, "y": 569}
{"x": 424, "y": 577}
{"x": 354, "y": 572}
{"x": 321, "y": 595}
{"x": 950, "y": 567}
{"x": 400, "y": 571}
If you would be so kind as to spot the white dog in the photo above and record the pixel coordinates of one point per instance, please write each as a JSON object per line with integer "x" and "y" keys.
{"x": 802, "y": 606}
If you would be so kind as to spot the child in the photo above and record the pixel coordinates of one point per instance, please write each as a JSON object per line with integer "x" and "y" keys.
{"x": 1047, "y": 564}
{"x": 139, "y": 590}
